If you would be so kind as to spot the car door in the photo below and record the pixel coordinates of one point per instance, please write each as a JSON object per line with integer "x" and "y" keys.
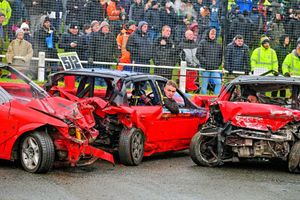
{"x": 180, "y": 126}
{"x": 7, "y": 124}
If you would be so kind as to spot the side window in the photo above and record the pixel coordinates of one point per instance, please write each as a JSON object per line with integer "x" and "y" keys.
{"x": 141, "y": 93}
{"x": 4, "y": 96}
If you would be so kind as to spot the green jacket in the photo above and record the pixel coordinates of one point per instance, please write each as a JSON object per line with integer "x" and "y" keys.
{"x": 264, "y": 58}
{"x": 6, "y": 10}
{"x": 291, "y": 64}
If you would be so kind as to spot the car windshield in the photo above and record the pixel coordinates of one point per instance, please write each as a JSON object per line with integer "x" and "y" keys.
{"x": 281, "y": 94}
{"x": 20, "y": 86}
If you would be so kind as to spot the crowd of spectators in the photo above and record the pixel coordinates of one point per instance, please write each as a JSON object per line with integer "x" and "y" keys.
{"x": 160, "y": 32}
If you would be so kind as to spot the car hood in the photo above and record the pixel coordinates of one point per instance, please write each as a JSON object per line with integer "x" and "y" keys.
{"x": 257, "y": 116}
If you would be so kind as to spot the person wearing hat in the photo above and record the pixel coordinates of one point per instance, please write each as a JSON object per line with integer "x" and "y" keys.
{"x": 122, "y": 40}
{"x": 291, "y": 63}
{"x": 71, "y": 41}
{"x": 19, "y": 47}
{"x": 45, "y": 39}
{"x": 264, "y": 58}
{"x": 140, "y": 47}
{"x": 103, "y": 46}
{"x": 27, "y": 35}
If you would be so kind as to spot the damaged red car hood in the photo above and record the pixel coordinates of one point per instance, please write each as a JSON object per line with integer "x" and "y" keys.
{"x": 257, "y": 116}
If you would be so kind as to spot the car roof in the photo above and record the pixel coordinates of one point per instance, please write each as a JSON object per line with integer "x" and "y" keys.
{"x": 266, "y": 80}
{"x": 114, "y": 74}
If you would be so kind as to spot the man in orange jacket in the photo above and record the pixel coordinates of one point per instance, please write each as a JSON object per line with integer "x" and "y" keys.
{"x": 122, "y": 39}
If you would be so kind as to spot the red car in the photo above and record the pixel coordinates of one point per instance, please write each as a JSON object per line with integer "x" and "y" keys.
{"x": 254, "y": 117}
{"x": 39, "y": 129}
{"x": 129, "y": 113}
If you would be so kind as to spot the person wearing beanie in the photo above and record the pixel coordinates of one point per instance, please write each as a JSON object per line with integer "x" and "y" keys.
{"x": 71, "y": 41}
{"x": 291, "y": 63}
{"x": 264, "y": 58}
{"x": 122, "y": 40}
{"x": 103, "y": 46}
{"x": 19, "y": 47}
{"x": 95, "y": 25}
{"x": 27, "y": 34}
{"x": 140, "y": 47}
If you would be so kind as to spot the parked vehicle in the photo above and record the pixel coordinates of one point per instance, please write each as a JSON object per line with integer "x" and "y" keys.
{"x": 254, "y": 117}
{"x": 130, "y": 115}
{"x": 39, "y": 130}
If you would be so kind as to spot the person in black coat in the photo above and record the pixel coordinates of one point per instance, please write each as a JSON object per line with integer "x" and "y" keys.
{"x": 152, "y": 16}
{"x": 164, "y": 53}
{"x": 103, "y": 46}
{"x": 140, "y": 47}
{"x": 209, "y": 54}
{"x": 237, "y": 56}
{"x": 71, "y": 41}
{"x": 93, "y": 10}
{"x": 168, "y": 15}
{"x": 136, "y": 11}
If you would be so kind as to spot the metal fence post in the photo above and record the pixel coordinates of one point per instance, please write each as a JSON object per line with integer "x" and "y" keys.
{"x": 182, "y": 77}
{"x": 41, "y": 67}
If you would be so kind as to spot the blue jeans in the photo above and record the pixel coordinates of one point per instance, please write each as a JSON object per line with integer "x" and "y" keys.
{"x": 211, "y": 77}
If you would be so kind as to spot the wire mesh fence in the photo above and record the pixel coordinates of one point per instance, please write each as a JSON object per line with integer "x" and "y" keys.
{"x": 211, "y": 36}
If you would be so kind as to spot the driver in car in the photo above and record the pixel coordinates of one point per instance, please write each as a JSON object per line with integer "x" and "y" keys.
{"x": 169, "y": 101}
{"x": 252, "y": 98}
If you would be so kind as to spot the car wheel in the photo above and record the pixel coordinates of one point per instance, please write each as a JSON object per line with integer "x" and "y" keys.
{"x": 204, "y": 151}
{"x": 37, "y": 152}
{"x": 131, "y": 147}
{"x": 294, "y": 158}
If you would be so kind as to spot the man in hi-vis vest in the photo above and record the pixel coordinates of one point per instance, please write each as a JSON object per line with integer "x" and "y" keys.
{"x": 291, "y": 63}
{"x": 264, "y": 58}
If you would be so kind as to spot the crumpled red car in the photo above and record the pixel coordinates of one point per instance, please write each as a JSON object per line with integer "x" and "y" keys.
{"x": 255, "y": 118}
{"x": 41, "y": 130}
{"x": 130, "y": 115}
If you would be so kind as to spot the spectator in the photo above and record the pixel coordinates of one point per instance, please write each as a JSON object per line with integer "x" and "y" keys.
{"x": 27, "y": 35}
{"x": 75, "y": 11}
{"x": 164, "y": 53}
{"x": 291, "y": 64}
{"x": 95, "y": 26}
{"x": 179, "y": 34}
{"x": 93, "y": 10}
{"x": 44, "y": 41}
{"x": 122, "y": 40}
{"x": 282, "y": 50}
{"x": 140, "y": 47}
{"x": 237, "y": 56}
{"x": 71, "y": 41}
{"x": 189, "y": 9}
{"x": 2, "y": 35}
{"x": 85, "y": 39}
{"x": 35, "y": 9}
{"x": 209, "y": 54}
{"x": 264, "y": 58}
{"x": 203, "y": 21}
{"x": 152, "y": 16}
{"x": 276, "y": 29}
{"x": 187, "y": 52}
{"x": 54, "y": 10}
{"x": 238, "y": 27}
{"x": 6, "y": 10}
{"x": 198, "y": 5}
{"x": 136, "y": 11}
{"x": 106, "y": 40}
{"x": 294, "y": 28}
{"x": 214, "y": 16}
{"x": 113, "y": 11}
{"x": 19, "y": 47}
{"x": 168, "y": 15}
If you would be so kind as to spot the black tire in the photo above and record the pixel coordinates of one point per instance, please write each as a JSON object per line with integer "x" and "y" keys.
{"x": 131, "y": 146}
{"x": 37, "y": 152}
{"x": 294, "y": 158}
{"x": 200, "y": 153}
